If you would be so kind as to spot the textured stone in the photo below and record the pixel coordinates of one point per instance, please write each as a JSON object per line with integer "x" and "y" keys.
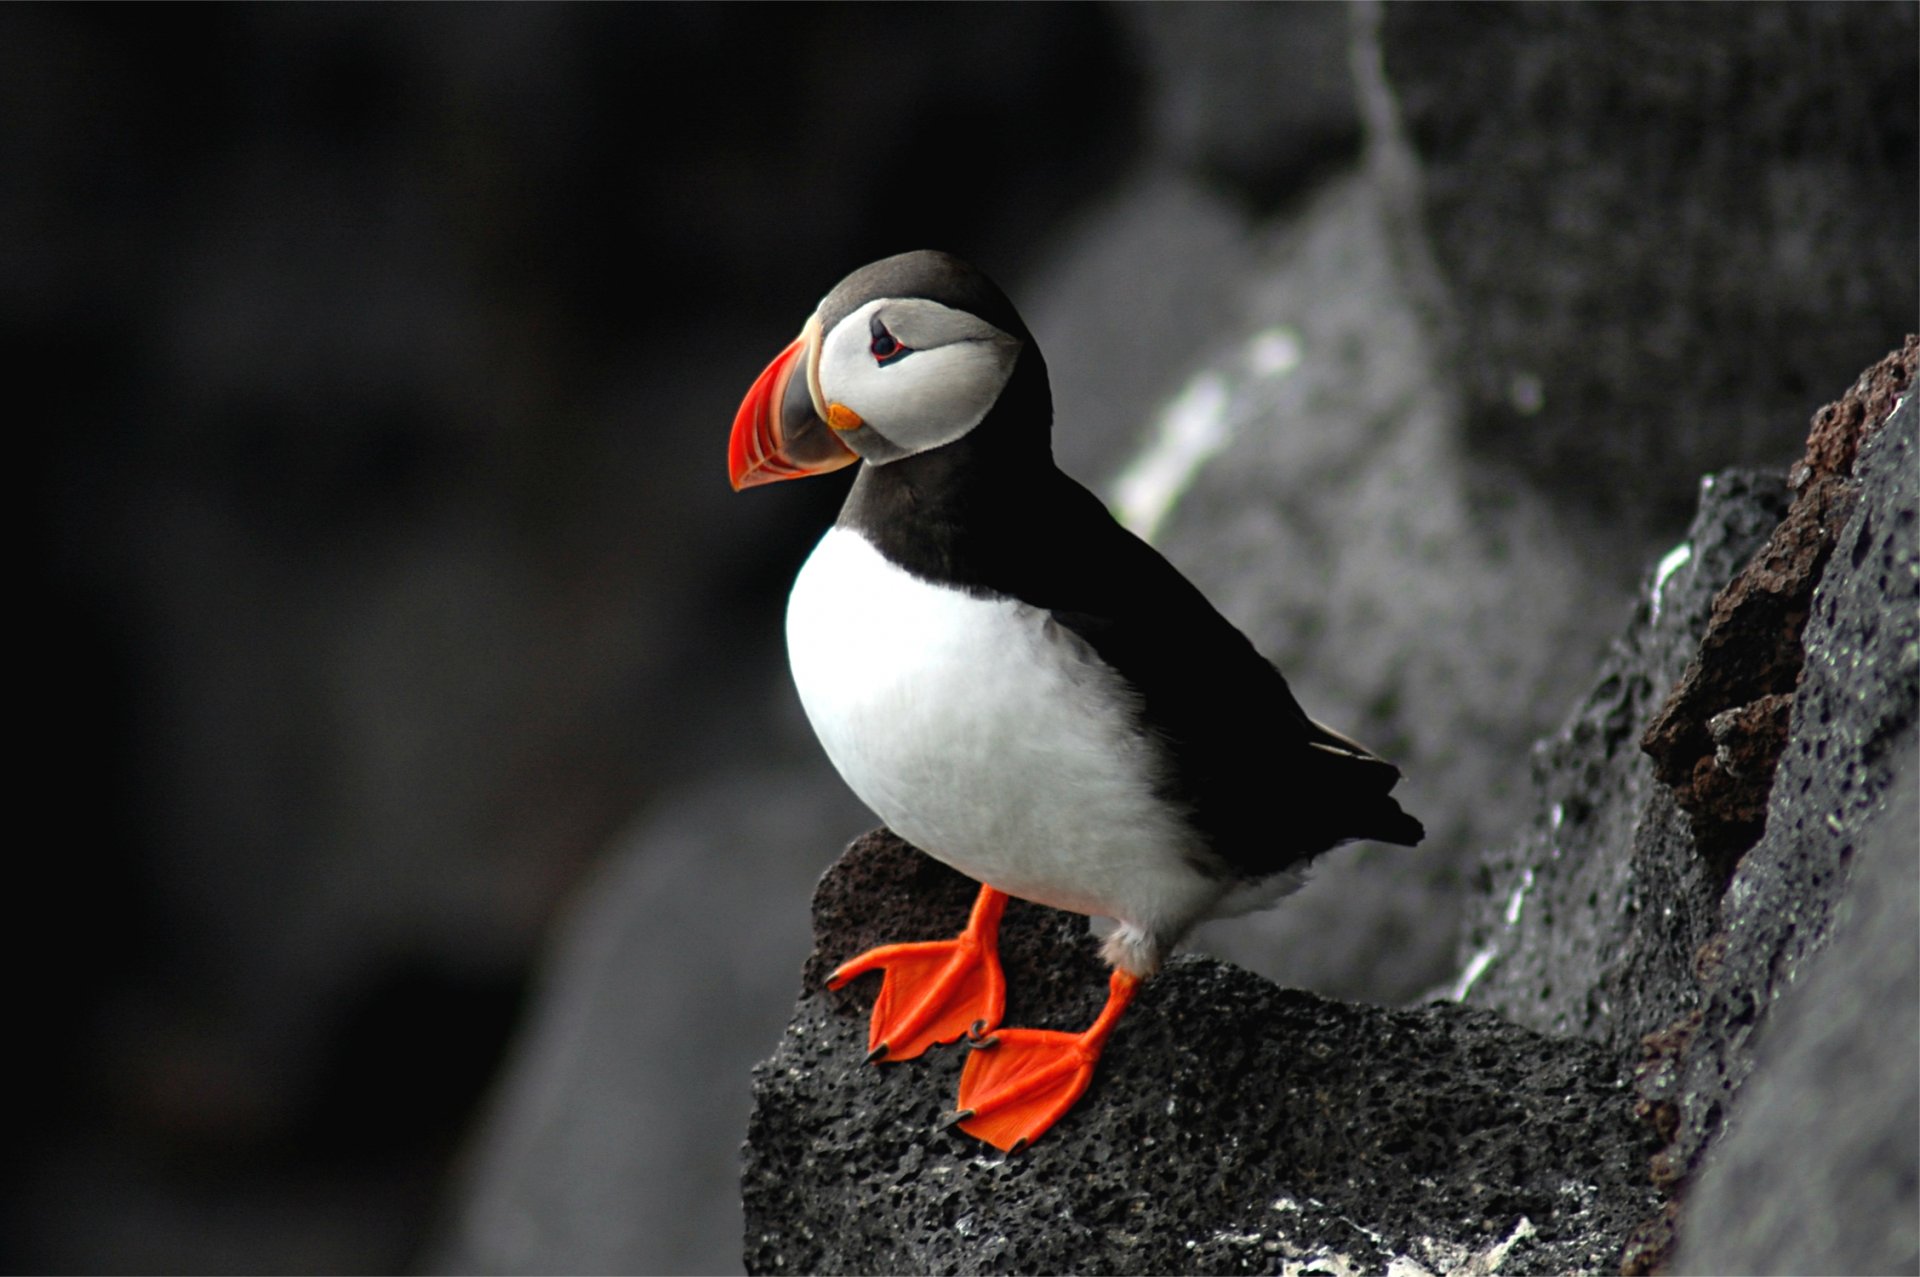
{"x": 1636, "y": 209}
{"x": 1716, "y": 740}
{"x": 1590, "y": 919}
{"x": 1605, "y": 922}
{"x": 1827, "y": 1132}
{"x": 1855, "y": 719}
{"x": 1233, "y": 1126}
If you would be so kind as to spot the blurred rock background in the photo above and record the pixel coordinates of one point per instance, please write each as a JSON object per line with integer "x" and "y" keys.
{"x": 395, "y": 615}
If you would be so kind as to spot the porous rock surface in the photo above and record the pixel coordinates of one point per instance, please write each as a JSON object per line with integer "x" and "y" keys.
{"x": 1828, "y": 1133}
{"x": 1856, "y": 715}
{"x": 1611, "y": 920}
{"x": 1718, "y": 738}
{"x": 1233, "y": 1126}
{"x": 1590, "y": 917}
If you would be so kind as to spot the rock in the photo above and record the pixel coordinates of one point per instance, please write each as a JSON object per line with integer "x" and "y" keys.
{"x": 1233, "y": 1126}
{"x": 1594, "y": 920}
{"x": 1589, "y": 919}
{"x": 1856, "y": 719}
{"x": 1607, "y": 921}
{"x": 1827, "y": 1132}
{"x": 1638, "y": 209}
{"x": 1716, "y": 740}
{"x": 609, "y": 1146}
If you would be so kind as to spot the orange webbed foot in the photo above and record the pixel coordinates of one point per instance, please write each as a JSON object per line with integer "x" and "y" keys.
{"x": 935, "y": 991}
{"x": 1018, "y": 1084}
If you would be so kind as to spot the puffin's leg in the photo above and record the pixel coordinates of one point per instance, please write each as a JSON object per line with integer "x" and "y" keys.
{"x": 938, "y": 990}
{"x": 1014, "y": 1088}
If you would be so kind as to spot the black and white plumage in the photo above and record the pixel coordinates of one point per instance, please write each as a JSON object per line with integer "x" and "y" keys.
{"x": 1013, "y": 681}
{"x": 1018, "y": 685}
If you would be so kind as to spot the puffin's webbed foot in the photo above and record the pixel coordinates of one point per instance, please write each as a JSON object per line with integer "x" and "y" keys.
{"x": 935, "y": 991}
{"x": 1012, "y": 1091}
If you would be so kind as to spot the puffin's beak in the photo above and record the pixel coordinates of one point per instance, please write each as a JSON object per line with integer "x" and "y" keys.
{"x": 778, "y": 434}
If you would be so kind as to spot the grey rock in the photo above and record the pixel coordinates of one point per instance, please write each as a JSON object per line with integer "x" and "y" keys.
{"x": 1248, "y": 100}
{"x": 1856, "y": 718}
{"x": 1827, "y": 1131}
{"x": 1605, "y": 921}
{"x": 1233, "y": 1126}
{"x": 1639, "y": 209}
{"x": 1588, "y": 921}
{"x": 610, "y": 1144}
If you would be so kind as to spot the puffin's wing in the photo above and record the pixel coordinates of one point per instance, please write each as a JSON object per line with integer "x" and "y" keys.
{"x": 1268, "y": 785}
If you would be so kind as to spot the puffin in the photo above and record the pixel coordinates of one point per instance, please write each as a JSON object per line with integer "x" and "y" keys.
{"x": 1018, "y": 685}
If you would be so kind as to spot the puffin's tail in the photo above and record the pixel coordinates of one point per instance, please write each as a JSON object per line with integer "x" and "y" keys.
{"x": 1385, "y": 822}
{"x": 1375, "y": 815}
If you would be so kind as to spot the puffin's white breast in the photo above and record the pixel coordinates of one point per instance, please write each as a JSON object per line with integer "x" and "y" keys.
{"x": 989, "y": 736}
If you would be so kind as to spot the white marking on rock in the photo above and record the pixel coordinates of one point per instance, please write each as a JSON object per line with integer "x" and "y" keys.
{"x": 1519, "y": 896}
{"x": 1675, "y": 559}
{"x": 1476, "y": 967}
{"x": 1489, "y": 1261}
{"x": 1326, "y": 1263}
{"x": 1190, "y": 432}
{"x": 1273, "y": 352}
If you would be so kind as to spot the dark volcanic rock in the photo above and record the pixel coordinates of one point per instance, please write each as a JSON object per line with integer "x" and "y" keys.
{"x": 1718, "y": 737}
{"x": 1233, "y": 1127}
{"x": 1854, "y": 726}
{"x": 1592, "y": 916}
{"x": 1607, "y": 922}
{"x": 1828, "y": 1131}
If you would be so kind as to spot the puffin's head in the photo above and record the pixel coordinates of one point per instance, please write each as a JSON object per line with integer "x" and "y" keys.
{"x": 902, "y": 356}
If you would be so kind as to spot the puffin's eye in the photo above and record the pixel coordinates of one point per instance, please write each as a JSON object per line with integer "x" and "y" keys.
{"x": 885, "y": 347}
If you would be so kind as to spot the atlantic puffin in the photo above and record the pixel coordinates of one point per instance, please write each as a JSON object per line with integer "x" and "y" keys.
{"x": 1019, "y": 686}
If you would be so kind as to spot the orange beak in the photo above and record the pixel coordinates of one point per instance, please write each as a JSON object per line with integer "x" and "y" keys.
{"x": 778, "y": 433}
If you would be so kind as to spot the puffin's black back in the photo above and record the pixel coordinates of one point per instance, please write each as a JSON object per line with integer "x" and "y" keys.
{"x": 991, "y": 514}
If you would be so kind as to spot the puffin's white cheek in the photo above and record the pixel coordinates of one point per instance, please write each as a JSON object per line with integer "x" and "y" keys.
{"x": 934, "y": 396}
